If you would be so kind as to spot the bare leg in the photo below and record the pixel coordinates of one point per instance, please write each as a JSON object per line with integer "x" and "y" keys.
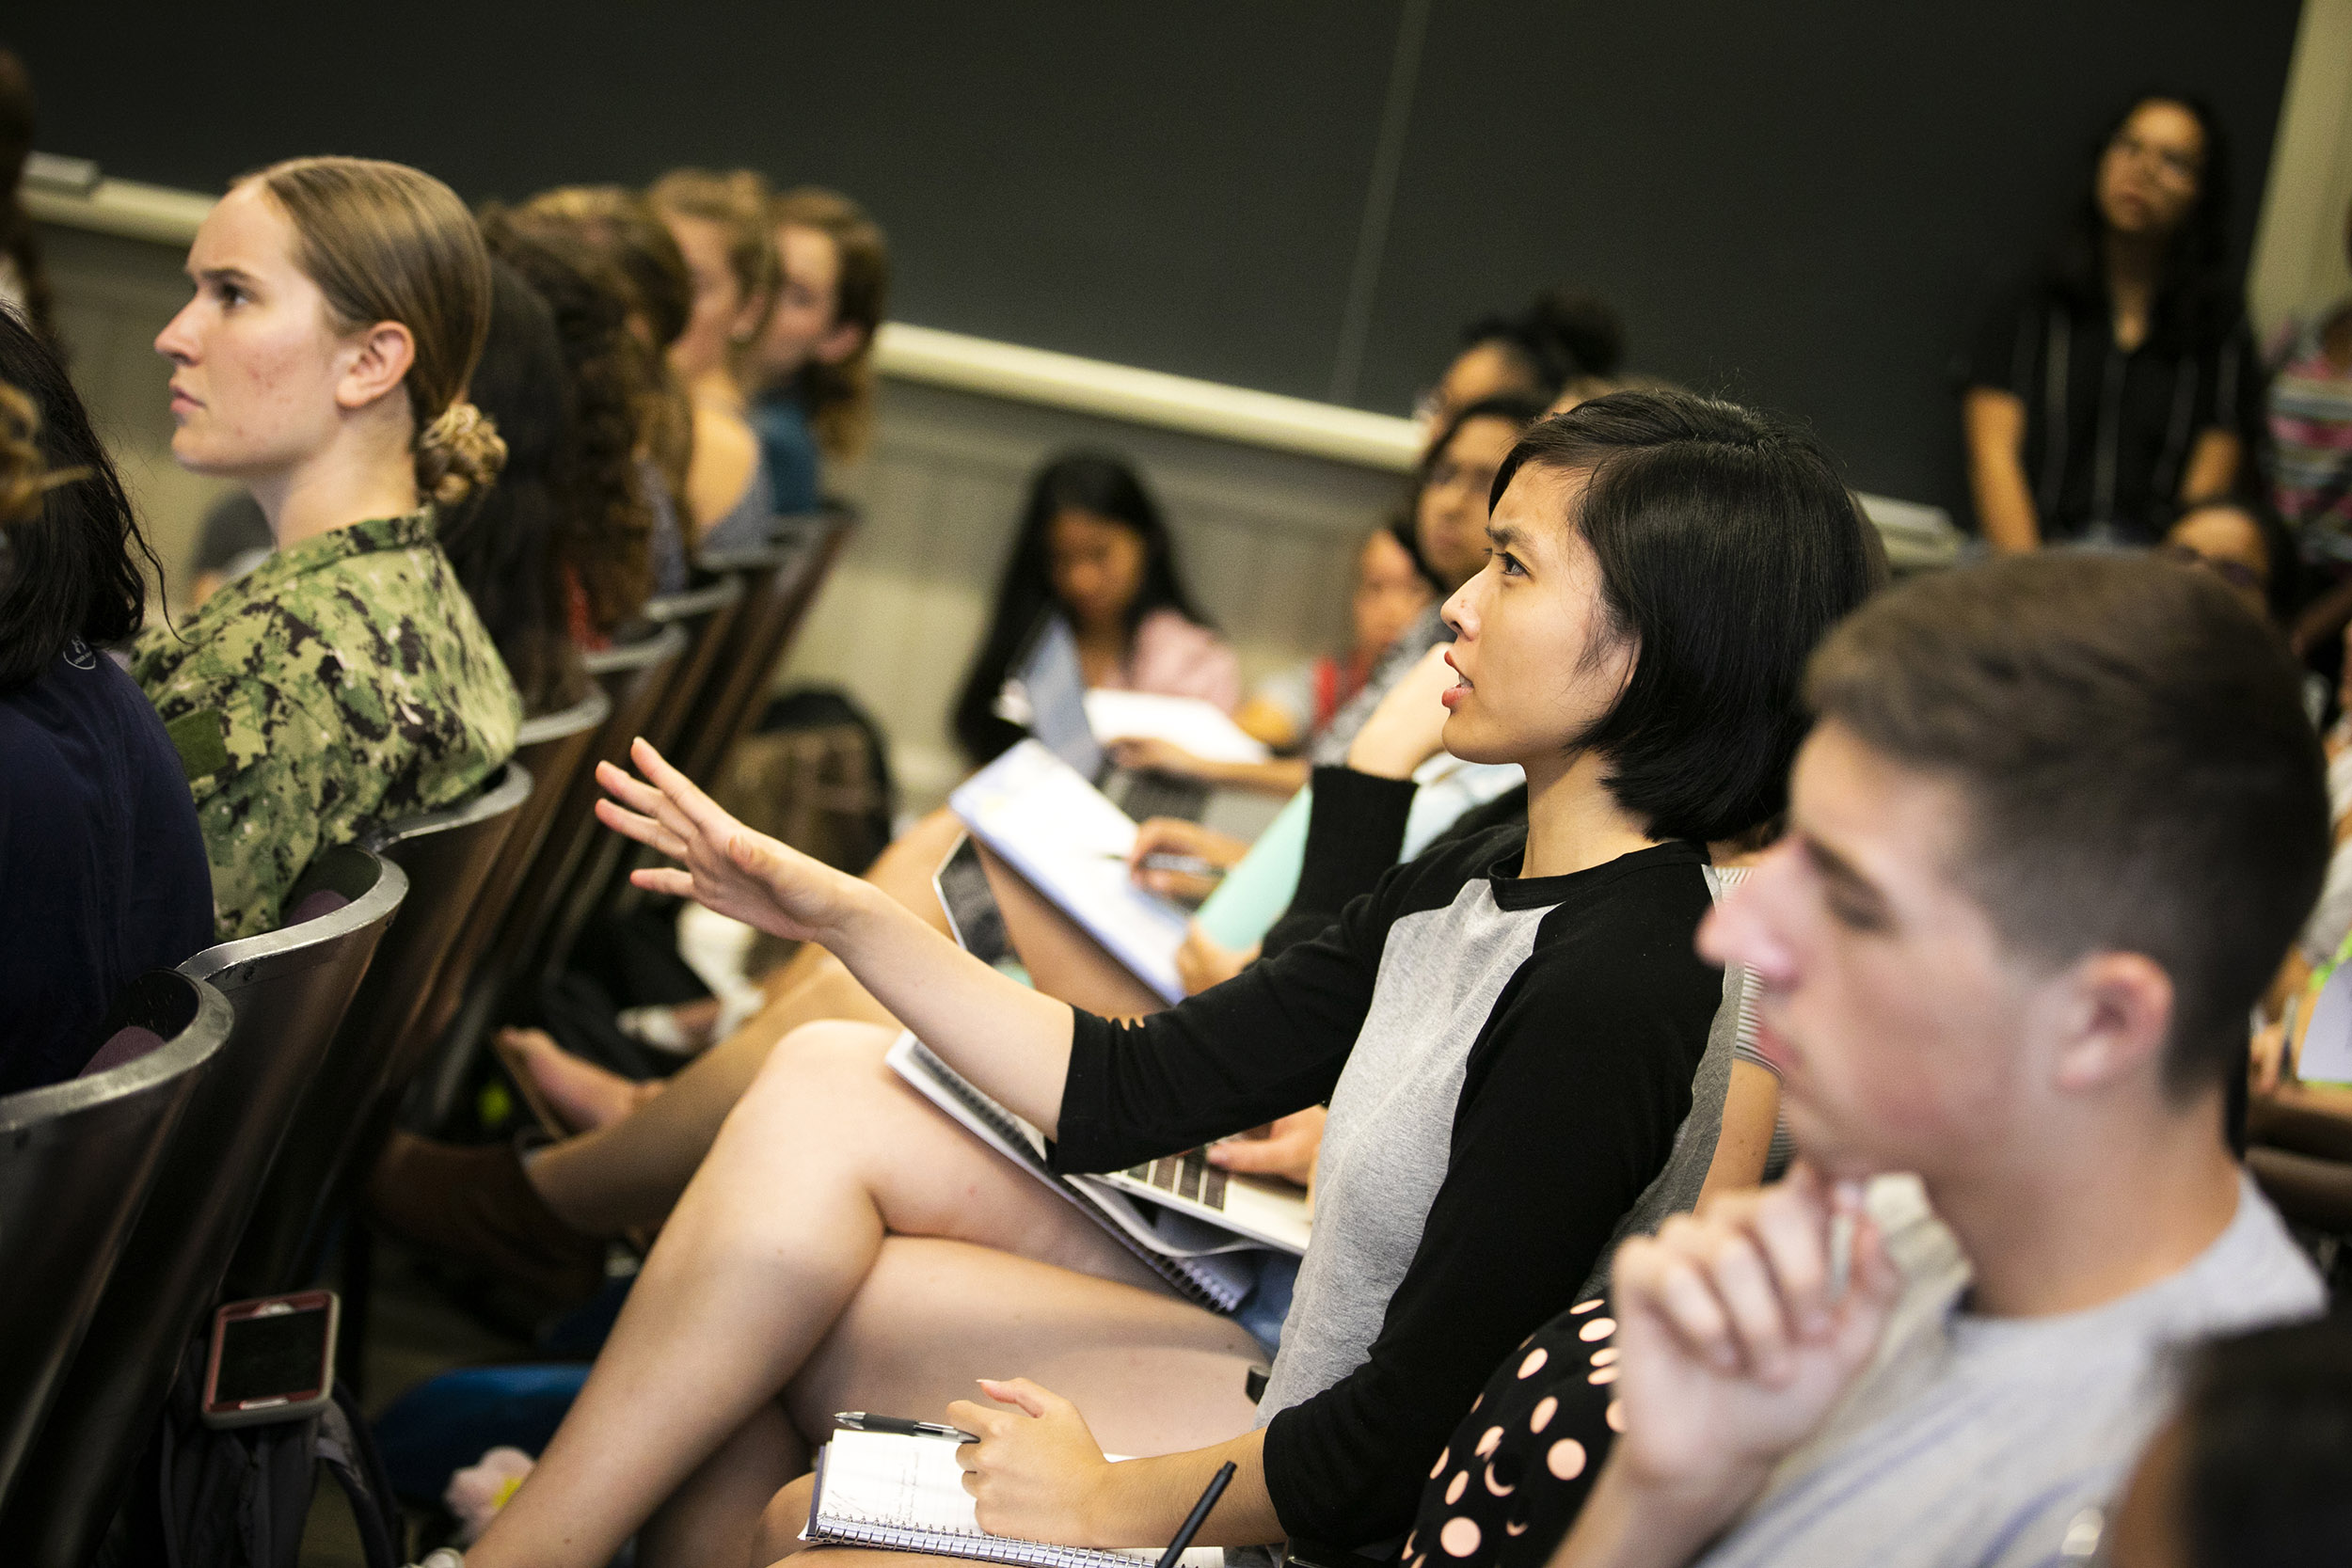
{"x": 827, "y": 1152}
{"x": 1151, "y": 1373}
{"x": 712, "y": 1518}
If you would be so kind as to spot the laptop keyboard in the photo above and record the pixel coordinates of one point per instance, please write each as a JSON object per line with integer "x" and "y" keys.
{"x": 1188, "y": 1175}
{"x": 1145, "y": 795}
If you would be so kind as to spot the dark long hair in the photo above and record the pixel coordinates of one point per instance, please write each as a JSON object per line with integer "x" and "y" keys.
{"x": 19, "y": 241}
{"x": 2196, "y": 299}
{"x": 71, "y": 550}
{"x": 502, "y": 540}
{"x": 1090, "y": 481}
{"x": 604, "y": 536}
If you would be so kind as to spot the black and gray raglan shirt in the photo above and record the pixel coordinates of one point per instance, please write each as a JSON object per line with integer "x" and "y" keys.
{"x": 1506, "y": 1060}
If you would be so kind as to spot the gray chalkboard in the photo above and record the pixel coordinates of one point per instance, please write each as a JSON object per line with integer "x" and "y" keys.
{"x": 1801, "y": 204}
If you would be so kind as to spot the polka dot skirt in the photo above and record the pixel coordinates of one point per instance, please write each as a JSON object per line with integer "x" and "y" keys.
{"x": 1510, "y": 1483}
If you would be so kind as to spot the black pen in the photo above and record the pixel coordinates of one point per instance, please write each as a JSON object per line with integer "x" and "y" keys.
{"x": 1199, "y": 1516}
{"x": 898, "y": 1426}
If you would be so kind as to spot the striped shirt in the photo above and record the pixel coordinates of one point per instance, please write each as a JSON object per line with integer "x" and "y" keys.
{"x": 2310, "y": 436}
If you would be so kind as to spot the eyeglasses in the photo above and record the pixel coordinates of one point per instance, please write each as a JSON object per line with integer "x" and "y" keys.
{"x": 2182, "y": 169}
{"x": 2237, "y": 574}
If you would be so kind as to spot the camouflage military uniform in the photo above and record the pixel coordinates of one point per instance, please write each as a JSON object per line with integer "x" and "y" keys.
{"x": 342, "y": 683}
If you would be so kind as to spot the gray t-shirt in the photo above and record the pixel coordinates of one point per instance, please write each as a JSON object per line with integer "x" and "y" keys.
{"x": 1984, "y": 1441}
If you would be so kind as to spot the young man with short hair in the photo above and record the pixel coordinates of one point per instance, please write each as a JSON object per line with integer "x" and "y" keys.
{"x": 2056, "y": 821}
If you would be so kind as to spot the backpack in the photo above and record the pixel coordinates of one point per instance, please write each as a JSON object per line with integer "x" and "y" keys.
{"x": 239, "y": 1498}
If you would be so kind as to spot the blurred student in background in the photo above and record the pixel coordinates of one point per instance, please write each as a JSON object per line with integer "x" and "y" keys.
{"x": 341, "y": 304}
{"x": 24, "y": 281}
{"x": 2118, "y": 385}
{"x": 1564, "y": 336}
{"x": 100, "y": 853}
{"x": 1094, "y": 549}
{"x": 604, "y": 523}
{"x": 2251, "y": 1473}
{"x": 815, "y": 359}
{"x": 621, "y": 228}
{"x": 721, "y": 224}
{"x": 500, "y": 539}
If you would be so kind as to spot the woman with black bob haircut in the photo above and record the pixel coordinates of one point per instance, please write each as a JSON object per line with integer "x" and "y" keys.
{"x": 1506, "y": 1030}
{"x": 1094, "y": 549}
{"x": 1683, "y": 496}
{"x": 100, "y": 852}
{"x": 2119, "y": 384}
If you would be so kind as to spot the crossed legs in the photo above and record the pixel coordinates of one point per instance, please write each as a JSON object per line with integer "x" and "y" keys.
{"x": 845, "y": 1243}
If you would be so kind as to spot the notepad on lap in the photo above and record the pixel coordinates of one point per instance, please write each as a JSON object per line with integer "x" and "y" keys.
{"x": 878, "y": 1489}
{"x": 1071, "y": 843}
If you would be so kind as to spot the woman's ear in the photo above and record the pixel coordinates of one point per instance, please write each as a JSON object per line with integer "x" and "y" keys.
{"x": 840, "y": 345}
{"x": 379, "y": 358}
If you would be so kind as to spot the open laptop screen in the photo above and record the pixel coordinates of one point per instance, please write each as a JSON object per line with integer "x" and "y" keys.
{"x": 1056, "y": 684}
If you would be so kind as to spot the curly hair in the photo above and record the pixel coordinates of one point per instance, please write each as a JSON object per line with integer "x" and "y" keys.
{"x": 603, "y": 539}
{"x": 622, "y": 230}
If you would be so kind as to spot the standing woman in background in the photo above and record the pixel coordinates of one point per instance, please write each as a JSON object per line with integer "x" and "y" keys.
{"x": 815, "y": 357}
{"x": 1094, "y": 549}
{"x": 720, "y": 222}
{"x": 341, "y": 304}
{"x": 2116, "y": 386}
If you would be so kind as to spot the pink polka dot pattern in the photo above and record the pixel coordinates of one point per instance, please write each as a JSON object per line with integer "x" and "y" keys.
{"x": 1439, "y": 1468}
{"x": 1615, "y": 1416}
{"x": 1519, "y": 1464}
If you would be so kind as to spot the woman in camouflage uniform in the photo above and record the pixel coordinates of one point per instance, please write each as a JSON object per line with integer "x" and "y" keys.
{"x": 341, "y": 304}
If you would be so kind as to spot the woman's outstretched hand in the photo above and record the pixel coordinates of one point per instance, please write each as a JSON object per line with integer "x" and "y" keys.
{"x": 725, "y": 867}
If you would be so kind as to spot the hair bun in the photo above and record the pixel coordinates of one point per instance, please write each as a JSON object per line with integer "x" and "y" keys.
{"x": 457, "y": 453}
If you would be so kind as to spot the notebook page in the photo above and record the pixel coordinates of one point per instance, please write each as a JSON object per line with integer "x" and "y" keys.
{"x": 875, "y": 1477}
{"x": 915, "y": 1484}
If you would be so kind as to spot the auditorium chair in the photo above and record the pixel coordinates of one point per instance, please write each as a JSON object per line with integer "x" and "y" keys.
{"x": 780, "y": 583}
{"x": 290, "y": 990}
{"x": 76, "y": 1161}
{"x": 556, "y": 749}
{"x": 446, "y": 855}
{"x": 707, "y": 614}
{"x": 638, "y": 675}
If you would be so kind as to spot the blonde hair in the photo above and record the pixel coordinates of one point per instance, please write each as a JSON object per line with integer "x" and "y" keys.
{"x": 840, "y": 397}
{"x": 737, "y": 202}
{"x": 384, "y": 242}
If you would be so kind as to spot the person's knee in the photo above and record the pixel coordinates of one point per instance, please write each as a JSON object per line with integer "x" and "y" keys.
{"x": 829, "y": 1065}
{"x": 779, "y": 1534}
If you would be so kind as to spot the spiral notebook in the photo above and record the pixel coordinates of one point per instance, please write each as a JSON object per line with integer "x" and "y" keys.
{"x": 906, "y": 1493}
{"x": 1205, "y": 1262}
